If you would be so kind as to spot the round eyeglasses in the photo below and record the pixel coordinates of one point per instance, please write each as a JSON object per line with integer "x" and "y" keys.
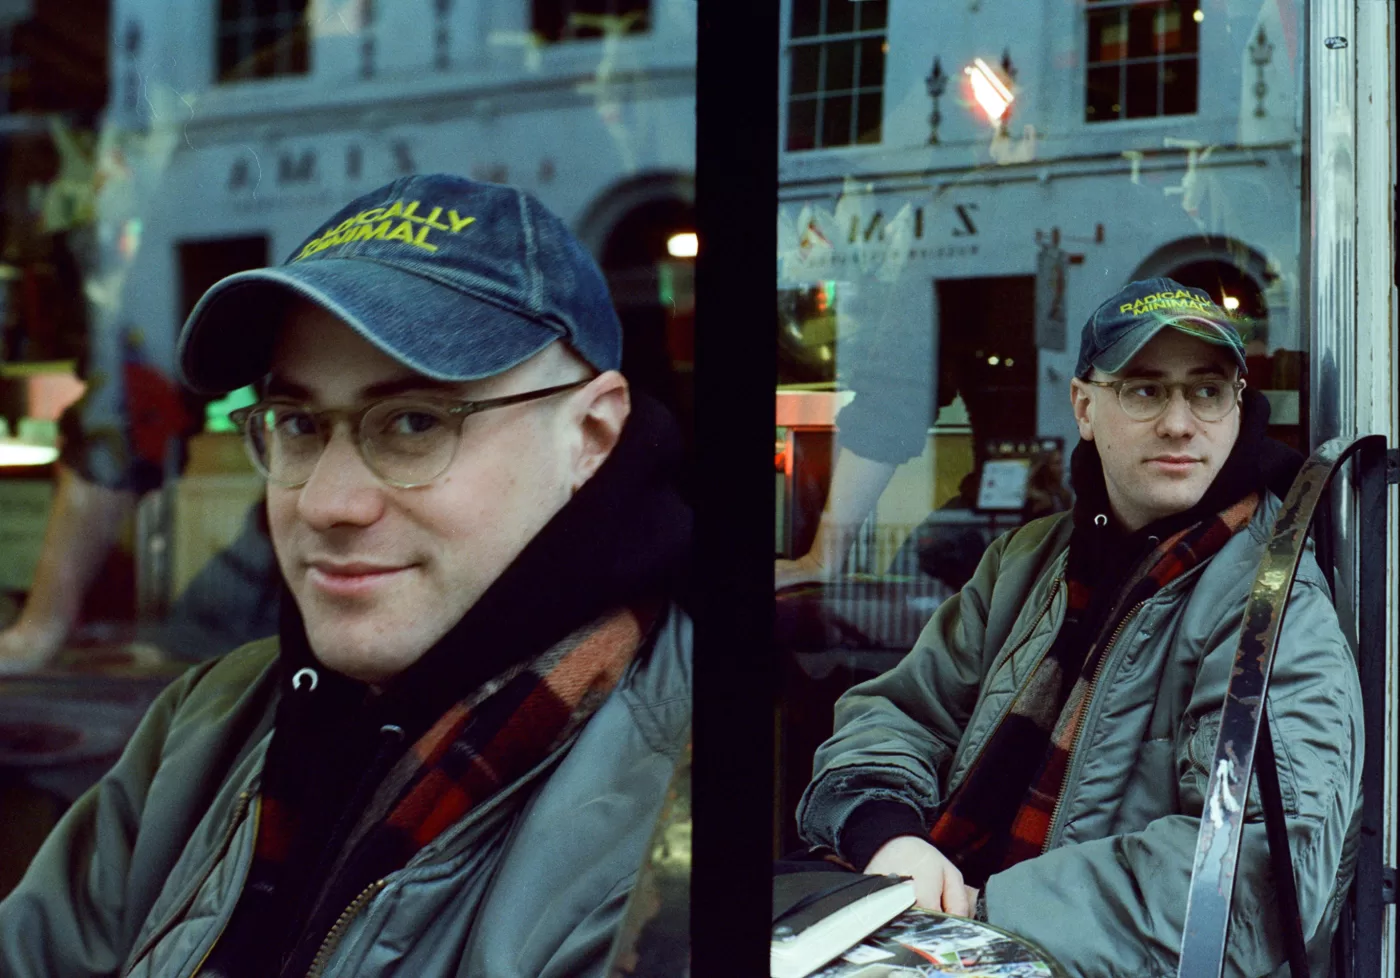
{"x": 1147, "y": 400}
{"x": 406, "y": 441}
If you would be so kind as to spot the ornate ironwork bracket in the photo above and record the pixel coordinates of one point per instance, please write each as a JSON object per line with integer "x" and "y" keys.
{"x": 937, "y": 83}
{"x": 1261, "y": 52}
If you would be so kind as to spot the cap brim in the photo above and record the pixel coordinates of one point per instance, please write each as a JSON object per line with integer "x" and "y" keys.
{"x": 229, "y": 338}
{"x": 1131, "y": 343}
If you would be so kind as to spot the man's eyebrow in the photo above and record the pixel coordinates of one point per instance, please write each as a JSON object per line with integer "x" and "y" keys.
{"x": 278, "y": 386}
{"x": 412, "y": 384}
{"x": 1150, "y": 373}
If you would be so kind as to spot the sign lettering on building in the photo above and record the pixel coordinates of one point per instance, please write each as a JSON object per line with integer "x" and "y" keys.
{"x": 296, "y": 169}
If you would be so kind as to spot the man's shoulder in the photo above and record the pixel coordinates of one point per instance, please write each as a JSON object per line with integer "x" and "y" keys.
{"x": 658, "y": 689}
{"x": 1027, "y": 557}
{"x": 1239, "y": 559}
{"x": 220, "y": 685}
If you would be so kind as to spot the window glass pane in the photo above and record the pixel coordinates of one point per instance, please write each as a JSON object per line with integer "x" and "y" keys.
{"x": 836, "y": 120}
{"x": 869, "y": 107}
{"x": 840, "y": 66}
{"x": 943, "y": 240}
{"x": 1179, "y": 87}
{"x": 1102, "y": 94}
{"x": 1107, "y": 36}
{"x": 871, "y": 14}
{"x": 872, "y": 63}
{"x": 841, "y": 16}
{"x": 1143, "y": 35}
{"x": 806, "y": 69}
{"x": 802, "y": 124}
{"x": 806, "y": 17}
{"x": 1142, "y": 90}
{"x": 154, "y": 147}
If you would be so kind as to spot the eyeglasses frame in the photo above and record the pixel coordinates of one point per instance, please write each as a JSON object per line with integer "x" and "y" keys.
{"x": 1117, "y": 387}
{"x": 459, "y": 408}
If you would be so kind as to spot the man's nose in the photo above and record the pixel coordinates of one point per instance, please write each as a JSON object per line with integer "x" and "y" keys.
{"x": 1177, "y": 421}
{"x": 341, "y": 490}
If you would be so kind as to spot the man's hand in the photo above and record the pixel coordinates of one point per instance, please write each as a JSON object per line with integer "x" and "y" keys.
{"x": 25, "y": 649}
{"x": 938, "y": 884}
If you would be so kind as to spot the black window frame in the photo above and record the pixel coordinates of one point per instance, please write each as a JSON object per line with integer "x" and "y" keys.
{"x": 816, "y": 53}
{"x": 1160, "y": 60}
{"x": 242, "y": 51}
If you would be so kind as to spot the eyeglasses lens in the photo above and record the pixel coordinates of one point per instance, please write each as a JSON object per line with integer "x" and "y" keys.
{"x": 408, "y": 443}
{"x": 1145, "y": 400}
{"x": 405, "y": 443}
{"x": 284, "y": 442}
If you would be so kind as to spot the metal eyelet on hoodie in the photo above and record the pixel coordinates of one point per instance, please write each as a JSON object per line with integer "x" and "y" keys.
{"x": 312, "y": 680}
{"x": 1154, "y": 541}
{"x": 1101, "y": 520}
{"x": 392, "y": 730}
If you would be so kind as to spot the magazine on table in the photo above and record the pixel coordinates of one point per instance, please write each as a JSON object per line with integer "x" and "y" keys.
{"x": 924, "y": 944}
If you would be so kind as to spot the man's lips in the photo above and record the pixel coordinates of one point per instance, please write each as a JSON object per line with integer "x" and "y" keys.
{"x": 352, "y": 578}
{"x": 1173, "y": 463}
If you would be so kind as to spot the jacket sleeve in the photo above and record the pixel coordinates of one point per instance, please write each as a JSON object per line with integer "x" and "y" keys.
{"x": 1116, "y": 906}
{"x": 68, "y": 915}
{"x": 893, "y": 734}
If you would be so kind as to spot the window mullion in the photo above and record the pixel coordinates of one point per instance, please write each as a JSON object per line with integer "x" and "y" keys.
{"x": 854, "y": 128}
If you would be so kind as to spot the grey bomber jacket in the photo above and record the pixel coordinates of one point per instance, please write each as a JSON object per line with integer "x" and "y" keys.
{"x": 144, "y": 870}
{"x": 1108, "y": 897}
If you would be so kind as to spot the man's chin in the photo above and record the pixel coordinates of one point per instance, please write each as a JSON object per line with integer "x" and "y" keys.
{"x": 370, "y": 651}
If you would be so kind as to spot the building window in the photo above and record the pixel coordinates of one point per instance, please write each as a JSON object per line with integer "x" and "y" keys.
{"x": 576, "y": 20}
{"x": 262, "y": 39}
{"x": 1143, "y": 59}
{"x": 837, "y": 76}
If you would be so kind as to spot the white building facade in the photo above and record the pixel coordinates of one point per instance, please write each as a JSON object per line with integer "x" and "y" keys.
{"x": 235, "y": 128}
{"x": 1142, "y": 139}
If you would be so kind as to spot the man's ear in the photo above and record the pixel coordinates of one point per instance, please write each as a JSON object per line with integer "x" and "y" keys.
{"x": 1079, "y": 401}
{"x": 601, "y": 411}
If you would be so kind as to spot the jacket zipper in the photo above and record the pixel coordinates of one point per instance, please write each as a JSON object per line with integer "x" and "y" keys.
{"x": 240, "y": 808}
{"x": 1078, "y": 734}
{"x": 1011, "y": 701}
{"x": 332, "y": 940}
{"x": 337, "y": 932}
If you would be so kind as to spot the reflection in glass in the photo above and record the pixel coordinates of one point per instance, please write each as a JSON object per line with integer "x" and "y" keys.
{"x": 936, "y": 266}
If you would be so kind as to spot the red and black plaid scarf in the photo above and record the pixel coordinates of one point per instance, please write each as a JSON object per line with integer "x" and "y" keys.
{"x": 478, "y": 747}
{"x": 1001, "y": 813}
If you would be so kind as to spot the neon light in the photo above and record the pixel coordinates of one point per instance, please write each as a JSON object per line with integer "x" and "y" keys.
{"x": 988, "y": 89}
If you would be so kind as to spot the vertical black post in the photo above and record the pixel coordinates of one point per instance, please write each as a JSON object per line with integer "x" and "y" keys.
{"x": 1370, "y": 886}
{"x": 735, "y": 374}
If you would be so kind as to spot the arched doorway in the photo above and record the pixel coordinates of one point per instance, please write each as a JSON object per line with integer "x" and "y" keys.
{"x": 642, "y": 234}
{"x": 1243, "y": 282}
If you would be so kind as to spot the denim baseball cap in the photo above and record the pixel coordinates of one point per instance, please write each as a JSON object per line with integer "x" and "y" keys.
{"x": 1123, "y": 325}
{"x": 453, "y": 278}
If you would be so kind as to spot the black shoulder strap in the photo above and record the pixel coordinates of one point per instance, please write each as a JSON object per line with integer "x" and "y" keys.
{"x": 1244, "y": 729}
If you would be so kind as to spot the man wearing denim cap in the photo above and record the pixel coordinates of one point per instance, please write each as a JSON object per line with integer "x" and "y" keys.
{"x": 1039, "y": 759}
{"x": 450, "y": 760}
